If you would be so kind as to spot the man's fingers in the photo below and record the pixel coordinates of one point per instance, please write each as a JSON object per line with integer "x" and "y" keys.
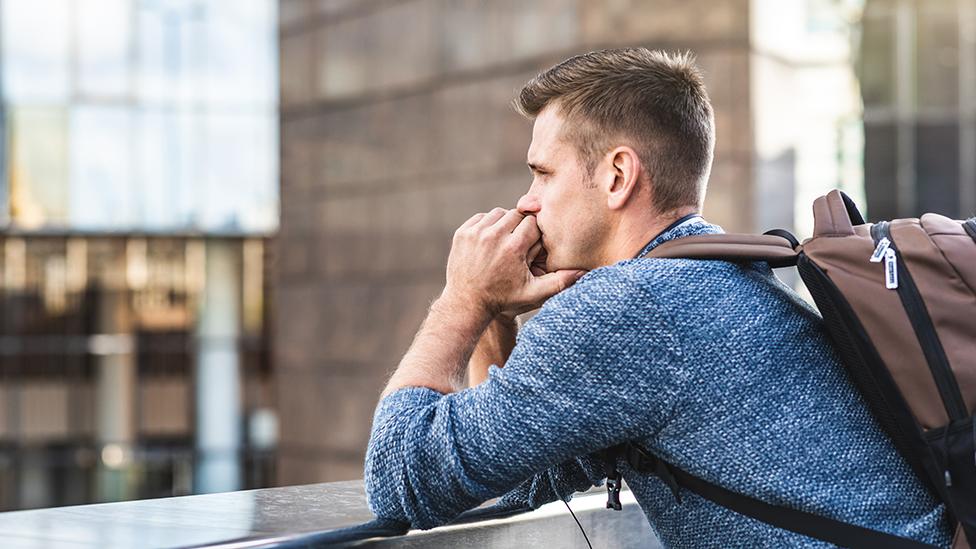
{"x": 471, "y": 221}
{"x": 533, "y": 251}
{"x": 527, "y": 230}
{"x": 550, "y": 284}
{"x": 490, "y": 218}
{"x": 510, "y": 220}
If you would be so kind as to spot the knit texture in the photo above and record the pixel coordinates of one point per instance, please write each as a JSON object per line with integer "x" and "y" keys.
{"x": 716, "y": 367}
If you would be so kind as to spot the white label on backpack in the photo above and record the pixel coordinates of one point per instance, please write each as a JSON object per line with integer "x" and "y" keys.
{"x": 891, "y": 269}
{"x": 879, "y": 252}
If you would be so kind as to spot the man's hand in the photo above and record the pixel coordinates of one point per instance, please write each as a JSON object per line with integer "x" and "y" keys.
{"x": 494, "y": 264}
{"x": 493, "y": 270}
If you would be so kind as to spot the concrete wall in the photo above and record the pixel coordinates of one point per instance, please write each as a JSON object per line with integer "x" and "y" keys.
{"x": 395, "y": 128}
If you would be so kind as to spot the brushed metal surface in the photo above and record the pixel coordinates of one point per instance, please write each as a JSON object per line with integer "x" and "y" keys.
{"x": 281, "y": 517}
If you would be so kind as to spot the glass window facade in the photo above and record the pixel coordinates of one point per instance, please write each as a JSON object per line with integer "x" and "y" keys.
{"x": 140, "y": 115}
{"x": 73, "y": 309}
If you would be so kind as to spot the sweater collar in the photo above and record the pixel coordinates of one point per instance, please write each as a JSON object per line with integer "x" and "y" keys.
{"x": 691, "y": 224}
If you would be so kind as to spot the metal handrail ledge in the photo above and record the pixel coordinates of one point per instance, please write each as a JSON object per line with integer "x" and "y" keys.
{"x": 305, "y": 516}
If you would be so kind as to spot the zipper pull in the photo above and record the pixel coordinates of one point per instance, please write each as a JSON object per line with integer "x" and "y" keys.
{"x": 879, "y": 251}
{"x": 948, "y": 479}
{"x": 891, "y": 269}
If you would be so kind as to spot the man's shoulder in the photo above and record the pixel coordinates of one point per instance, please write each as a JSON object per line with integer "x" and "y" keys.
{"x": 657, "y": 292}
{"x": 614, "y": 283}
{"x": 632, "y": 285}
{"x": 662, "y": 279}
{"x": 606, "y": 315}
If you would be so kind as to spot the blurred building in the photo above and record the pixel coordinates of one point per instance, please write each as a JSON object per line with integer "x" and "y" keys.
{"x": 396, "y": 127}
{"x": 138, "y": 177}
{"x": 917, "y": 65}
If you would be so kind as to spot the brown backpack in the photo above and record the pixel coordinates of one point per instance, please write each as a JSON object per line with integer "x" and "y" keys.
{"x": 899, "y": 303}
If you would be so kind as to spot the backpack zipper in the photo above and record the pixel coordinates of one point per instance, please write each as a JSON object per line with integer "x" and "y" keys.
{"x": 912, "y": 301}
{"x": 970, "y": 226}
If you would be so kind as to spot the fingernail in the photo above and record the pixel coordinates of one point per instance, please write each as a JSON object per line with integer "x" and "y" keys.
{"x": 579, "y": 274}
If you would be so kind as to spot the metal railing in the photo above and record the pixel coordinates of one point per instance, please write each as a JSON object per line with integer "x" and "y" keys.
{"x": 305, "y": 516}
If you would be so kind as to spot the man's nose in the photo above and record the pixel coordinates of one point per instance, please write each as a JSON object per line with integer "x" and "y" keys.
{"x": 528, "y": 204}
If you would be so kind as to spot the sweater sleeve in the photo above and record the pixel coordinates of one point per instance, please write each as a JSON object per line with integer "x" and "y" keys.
{"x": 595, "y": 367}
{"x": 558, "y": 482}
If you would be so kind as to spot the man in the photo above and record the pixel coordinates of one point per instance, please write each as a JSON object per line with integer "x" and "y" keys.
{"x": 716, "y": 367}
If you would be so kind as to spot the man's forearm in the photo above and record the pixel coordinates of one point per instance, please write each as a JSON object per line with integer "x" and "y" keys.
{"x": 494, "y": 347}
{"x": 441, "y": 349}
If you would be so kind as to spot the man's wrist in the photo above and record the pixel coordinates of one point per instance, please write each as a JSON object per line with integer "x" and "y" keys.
{"x": 440, "y": 351}
{"x": 506, "y": 321}
{"x": 461, "y": 307}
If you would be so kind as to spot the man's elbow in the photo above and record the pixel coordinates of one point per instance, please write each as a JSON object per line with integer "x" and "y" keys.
{"x": 382, "y": 495}
{"x": 390, "y": 495}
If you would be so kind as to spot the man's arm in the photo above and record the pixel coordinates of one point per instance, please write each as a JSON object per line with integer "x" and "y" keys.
{"x": 557, "y": 482}
{"x": 494, "y": 347}
{"x": 487, "y": 275}
{"x": 434, "y": 452}
{"x": 497, "y": 342}
{"x": 597, "y": 366}
{"x": 441, "y": 348}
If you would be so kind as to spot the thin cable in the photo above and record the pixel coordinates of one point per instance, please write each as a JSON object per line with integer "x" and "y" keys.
{"x": 578, "y": 524}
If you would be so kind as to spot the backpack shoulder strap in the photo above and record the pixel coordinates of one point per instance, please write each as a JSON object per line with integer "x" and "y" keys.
{"x": 778, "y": 248}
{"x": 834, "y": 215}
{"x": 794, "y": 520}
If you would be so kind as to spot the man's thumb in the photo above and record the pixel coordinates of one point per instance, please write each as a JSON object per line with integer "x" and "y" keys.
{"x": 557, "y": 281}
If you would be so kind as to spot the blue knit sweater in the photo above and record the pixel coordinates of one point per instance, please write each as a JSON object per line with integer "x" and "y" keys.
{"x": 716, "y": 367}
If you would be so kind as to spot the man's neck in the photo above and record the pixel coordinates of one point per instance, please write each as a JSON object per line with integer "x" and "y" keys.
{"x": 631, "y": 239}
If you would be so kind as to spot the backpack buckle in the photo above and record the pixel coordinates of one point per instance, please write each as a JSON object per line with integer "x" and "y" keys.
{"x": 609, "y": 457}
{"x": 613, "y": 491}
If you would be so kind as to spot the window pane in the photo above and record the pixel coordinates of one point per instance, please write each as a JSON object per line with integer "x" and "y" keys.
{"x": 35, "y": 50}
{"x": 157, "y": 168}
{"x": 240, "y": 50}
{"x": 101, "y": 173}
{"x": 240, "y": 160}
{"x": 171, "y": 50}
{"x": 172, "y": 126}
{"x": 103, "y": 46}
{"x": 38, "y": 166}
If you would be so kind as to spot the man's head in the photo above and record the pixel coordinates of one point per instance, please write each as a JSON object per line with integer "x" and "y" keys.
{"x": 622, "y": 139}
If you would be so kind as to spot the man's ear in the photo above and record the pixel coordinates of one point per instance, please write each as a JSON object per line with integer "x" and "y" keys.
{"x": 625, "y": 168}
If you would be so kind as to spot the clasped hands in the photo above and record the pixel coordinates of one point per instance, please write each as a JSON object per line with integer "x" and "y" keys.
{"x": 493, "y": 265}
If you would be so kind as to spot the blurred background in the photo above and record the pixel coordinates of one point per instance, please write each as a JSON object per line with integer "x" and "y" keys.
{"x": 223, "y": 220}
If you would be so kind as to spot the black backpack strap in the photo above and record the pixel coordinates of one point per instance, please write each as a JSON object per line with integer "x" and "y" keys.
{"x": 800, "y": 522}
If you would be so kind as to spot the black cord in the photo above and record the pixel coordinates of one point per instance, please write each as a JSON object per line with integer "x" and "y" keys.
{"x": 578, "y": 524}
